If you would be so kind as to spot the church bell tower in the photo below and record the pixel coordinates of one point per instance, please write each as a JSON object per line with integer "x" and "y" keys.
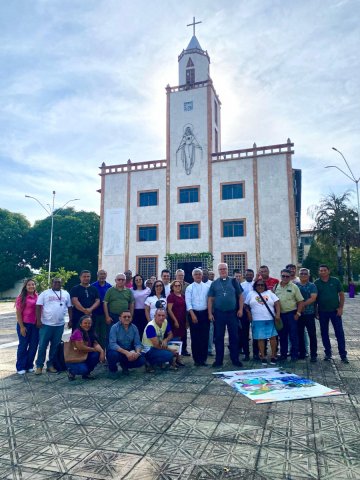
{"x": 193, "y": 135}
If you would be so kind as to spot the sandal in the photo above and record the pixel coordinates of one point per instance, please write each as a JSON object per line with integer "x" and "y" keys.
{"x": 149, "y": 369}
{"x": 173, "y": 367}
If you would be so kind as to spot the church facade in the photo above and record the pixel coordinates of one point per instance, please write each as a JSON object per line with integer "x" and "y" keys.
{"x": 237, "y": 206}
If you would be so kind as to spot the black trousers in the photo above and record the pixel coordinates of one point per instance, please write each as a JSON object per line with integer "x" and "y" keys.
{"x": 244, "y": 335}
{"x": 308, "y": 322}
{"x": 199, "y": 333}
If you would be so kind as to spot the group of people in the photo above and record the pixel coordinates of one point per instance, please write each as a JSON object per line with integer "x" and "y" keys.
{"x": 140, "y": 322}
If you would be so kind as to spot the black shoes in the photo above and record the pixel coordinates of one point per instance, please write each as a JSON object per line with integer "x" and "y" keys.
{"x": 217, "y": 364}
{"x": 345, "y": 360}
{"x": 237, "y": 364}
{"x": 185, "y": 354}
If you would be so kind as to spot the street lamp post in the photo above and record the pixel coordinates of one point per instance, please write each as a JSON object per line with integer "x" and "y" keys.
{"x": 352, "y": 178}
{"x": 52, "y": 213}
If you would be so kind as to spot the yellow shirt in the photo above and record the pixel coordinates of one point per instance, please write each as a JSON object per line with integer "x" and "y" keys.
{"x": 289, "y": 296}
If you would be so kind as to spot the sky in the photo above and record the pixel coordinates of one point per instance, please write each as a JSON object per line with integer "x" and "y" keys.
{"x": 83, "y": 82}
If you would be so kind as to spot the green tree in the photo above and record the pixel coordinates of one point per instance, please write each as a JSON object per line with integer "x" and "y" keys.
{"x": 41, "y": 278}
{"x": 318, "y": 254}
{"x": 14, "y": 228}
{"x": 75, "y": 242}
{"x": 336, "y": 226}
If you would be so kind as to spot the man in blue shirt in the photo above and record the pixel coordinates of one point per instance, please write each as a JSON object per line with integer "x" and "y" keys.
{"x": 102, "y": 287}
{"x": 124, "y": 345}
{"x": 307, "y": 318}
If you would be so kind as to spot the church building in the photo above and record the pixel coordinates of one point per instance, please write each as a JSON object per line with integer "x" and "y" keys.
{"x": 200, "y": 205}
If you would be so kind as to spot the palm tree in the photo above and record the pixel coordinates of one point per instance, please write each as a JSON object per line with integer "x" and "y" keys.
{"x": 336, "y": 225}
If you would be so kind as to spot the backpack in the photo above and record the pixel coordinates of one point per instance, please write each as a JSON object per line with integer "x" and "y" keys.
{"x": 59, "y": 360}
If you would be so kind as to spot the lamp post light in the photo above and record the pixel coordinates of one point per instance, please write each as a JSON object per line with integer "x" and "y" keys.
{"x": 352, "y": 178}
{"x": 52, "y": 213}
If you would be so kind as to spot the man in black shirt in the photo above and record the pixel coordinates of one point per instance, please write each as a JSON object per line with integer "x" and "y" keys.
{"x": 85, "y": 299}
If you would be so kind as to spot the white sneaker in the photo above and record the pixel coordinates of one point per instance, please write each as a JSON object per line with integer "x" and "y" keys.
{"x": 31, "y": 370}
{"x": 21, "y": 372}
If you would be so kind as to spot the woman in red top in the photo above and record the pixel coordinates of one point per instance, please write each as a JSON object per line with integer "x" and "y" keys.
{"x": 26, "y": 328}
{"x": 177, "y": 312}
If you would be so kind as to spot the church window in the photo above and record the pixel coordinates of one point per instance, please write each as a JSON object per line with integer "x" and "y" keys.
{"x": 147, "y": 266}
{"x": 190, "y": 76}
{"x": 148, "y": 198}
{"x": 235, "y": 260}
{"x": 216, "y": 112}
{"x": 216, "y": 141}
{"x": 233, "y": 228}
{"x": 230, "y": 191}
{"x": 188, "y": 106}
{"x": 188, "y": 194}
{"x": 190, "y": 63}
{"x": 187, "y": 231}
{"x": 147, "y": 233}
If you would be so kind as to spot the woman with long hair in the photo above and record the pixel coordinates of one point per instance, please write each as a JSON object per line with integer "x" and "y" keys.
{"x": 141, "y": 293}
{"x": 85, "y": 341}
{"x": 156, "y": 299}
{"x": 26, "y": 328}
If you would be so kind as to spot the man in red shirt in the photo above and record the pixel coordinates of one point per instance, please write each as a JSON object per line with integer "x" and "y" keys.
{"x": 264, "y": 274}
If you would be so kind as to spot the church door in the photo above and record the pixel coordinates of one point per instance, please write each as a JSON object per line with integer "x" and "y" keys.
{"x": 188, "y": 267}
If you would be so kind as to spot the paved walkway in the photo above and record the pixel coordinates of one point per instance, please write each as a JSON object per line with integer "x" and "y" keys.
{"x": 179, "y": 425}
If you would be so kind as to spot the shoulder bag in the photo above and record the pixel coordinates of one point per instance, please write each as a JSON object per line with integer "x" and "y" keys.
{"x": 278, "y": 323}
{"x": 72, "y": 354}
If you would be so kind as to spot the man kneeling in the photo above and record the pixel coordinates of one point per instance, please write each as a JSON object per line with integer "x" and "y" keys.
{"x": 124, "y": 345}
{"x": 155, "y": 340}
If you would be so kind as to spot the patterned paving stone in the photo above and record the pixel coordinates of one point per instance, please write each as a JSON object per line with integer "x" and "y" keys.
{"x": 179, "y": 425}
{"x": 105, "y": 465}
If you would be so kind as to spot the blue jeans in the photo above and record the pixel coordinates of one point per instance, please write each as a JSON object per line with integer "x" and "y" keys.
{"x": 27, "y": 347}
{"x": 114, "y": 357}
{"x": 231, "y": 321}
{"x": 48, "y": 334}
{"x": 84, "y": 368}
{"x": 155, "y": 356}
{"x": 324, "y": 318}
{"x": 211, "y": 338}
{"x": 290, "y": 329}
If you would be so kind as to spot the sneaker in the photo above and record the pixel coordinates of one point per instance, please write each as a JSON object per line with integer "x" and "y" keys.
{"x": 89, "y": 376}
{"x": 313, "y": 359}
{"x": 21, "y": 372}
{"x": 185, "y": 354}
{"x": 38, "y": 371}
{"x": 217, "y": 364}
{"x": 273, "y": 361}
{"x": 51, "y": 369}
{"x": 264, "y": 362}
{"x": 71, "y": 376}
{"x": 246, "y": 358}
{"x": 283, "y": 358}
{"x": 327, "y": 358}
{"x": 345, "y": 360}
{"x": 30, "y": 370}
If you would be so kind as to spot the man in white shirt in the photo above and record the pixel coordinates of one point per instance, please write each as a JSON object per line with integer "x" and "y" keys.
{"x": 51, "y": 307}
{"x": 165, "y": 277}
{"x": 208, "y": 282}
{"x": 244, "y": 331}
{"x": 196, "y": 304}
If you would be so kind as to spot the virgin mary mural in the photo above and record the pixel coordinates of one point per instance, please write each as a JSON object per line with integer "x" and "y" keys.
{"x": 188, "y": 149}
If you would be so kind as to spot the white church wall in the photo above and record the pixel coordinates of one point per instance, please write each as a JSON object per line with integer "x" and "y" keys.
{"x": 233, "y": 171}
{"x": 114, "y": 224}
{"x": 274, "y": 220}
{"x": 180, "y": 118}
{"x": 152, "y": 215}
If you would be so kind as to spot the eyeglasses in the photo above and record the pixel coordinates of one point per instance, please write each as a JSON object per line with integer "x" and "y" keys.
{"x": 260, "y": 284}
{"x": 125, "y": 316}
{"x": 285, "y": 276}
{"x": 303, "y": 273}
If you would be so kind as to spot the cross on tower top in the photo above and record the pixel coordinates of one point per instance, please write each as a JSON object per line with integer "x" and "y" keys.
{"x": 193, "y": 25}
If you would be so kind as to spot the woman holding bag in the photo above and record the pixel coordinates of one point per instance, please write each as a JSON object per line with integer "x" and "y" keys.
{"x": 82, "y": 353}
{"x": 263, "y": 310}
